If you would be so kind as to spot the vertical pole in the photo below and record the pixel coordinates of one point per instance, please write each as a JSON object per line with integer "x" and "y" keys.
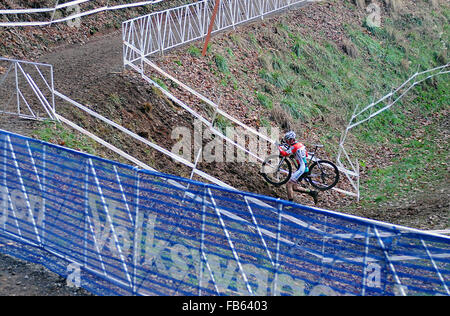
{"x": 324, "y": 237}
{"x": 277, "y": 256}
{"x": 262, "y": 9}
{"x": 53, "y": 89}
{"x": 41, "y": 188}
{"x": 141, "y": 44}
{"x": 233, "y": 14}
{"x": 203, "y": 258}
{"x": 44, "y": 195}
{"x": 124, "y": 47}
{"x": 357, "y": 181}
{"x": 202, "y": 244}
{"x": 5, "y": 185}
{"x": 366, "y": 254}
{"x": 137, "y": 235}
{"x": 159, "y": 19}
{"x": 211, "y": 26}
{"x": 17, "y": 88}
{"x": 86, "y": 211}
{"x": 24, "y": 191}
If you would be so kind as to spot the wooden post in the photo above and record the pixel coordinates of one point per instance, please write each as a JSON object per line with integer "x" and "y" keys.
{"x": 211, "y": 26}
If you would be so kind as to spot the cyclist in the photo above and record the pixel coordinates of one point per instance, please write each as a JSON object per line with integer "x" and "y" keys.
{"x": 299, "y": 151}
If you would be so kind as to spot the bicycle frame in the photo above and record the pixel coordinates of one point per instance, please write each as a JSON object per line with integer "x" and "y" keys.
{"x": 319, "y": 178}
{"x": 294, "y": 161}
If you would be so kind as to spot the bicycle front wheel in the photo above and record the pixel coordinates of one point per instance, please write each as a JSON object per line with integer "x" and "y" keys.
{"x": 276, "y": 170}
{"x": 323, "y": 175}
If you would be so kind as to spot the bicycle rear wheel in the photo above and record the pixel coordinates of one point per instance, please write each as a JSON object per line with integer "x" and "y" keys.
{"x": 276, "y": 170}
{"x": 323, "y": 175}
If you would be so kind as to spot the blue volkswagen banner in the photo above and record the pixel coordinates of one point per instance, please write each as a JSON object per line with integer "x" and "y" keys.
{"x": 117, "y": 230}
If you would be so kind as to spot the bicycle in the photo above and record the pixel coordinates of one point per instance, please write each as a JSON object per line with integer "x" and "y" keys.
{"x": 321, "y": 174}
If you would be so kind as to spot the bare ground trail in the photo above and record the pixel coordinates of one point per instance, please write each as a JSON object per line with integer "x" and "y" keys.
{"x": 78, "y": 67}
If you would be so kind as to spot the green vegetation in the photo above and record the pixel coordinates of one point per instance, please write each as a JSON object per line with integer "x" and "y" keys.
{"x": 161, "y": 83}
{"x": 421, "y": 156}
{"x": 221, "y": 123}
{"x": 194, "y": 51}
{"x": 61, "y": 135}
{"x": 264, "y": 100}
{"x": 221, "y": 64}
{"x": 115, "y": 99}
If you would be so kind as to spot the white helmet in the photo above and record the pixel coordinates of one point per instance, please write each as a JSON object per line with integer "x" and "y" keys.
{"x": 289, "y": 137}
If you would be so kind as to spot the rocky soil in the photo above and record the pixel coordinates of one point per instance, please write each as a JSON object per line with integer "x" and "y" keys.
{"x": 21, "y": 278}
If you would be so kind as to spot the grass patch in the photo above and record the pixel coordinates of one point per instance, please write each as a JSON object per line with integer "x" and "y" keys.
{"x": 115, "y": 99}
{"x": 264, "y": 100}
{"x": 221, "y": 64}
{"x": 161, "y": 83}
{"x": 56, "y": 133}
{"x": 194, "y": 51}
{"x": 421, "y": 160}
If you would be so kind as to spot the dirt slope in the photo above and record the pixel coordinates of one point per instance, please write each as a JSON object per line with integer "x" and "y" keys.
{"x": 20, "y": 278}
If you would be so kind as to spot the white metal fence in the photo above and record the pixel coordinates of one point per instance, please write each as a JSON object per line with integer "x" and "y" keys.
{"x": 32, "y": 103}
{"x": 73, "y": 10}
{"x": 161, "y": 31}
{"x": 361, "y": 116}
{"x": 27, "y": 89}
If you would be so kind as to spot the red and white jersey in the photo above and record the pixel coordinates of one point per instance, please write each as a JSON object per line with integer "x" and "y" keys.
{"x": 298, "y": 149}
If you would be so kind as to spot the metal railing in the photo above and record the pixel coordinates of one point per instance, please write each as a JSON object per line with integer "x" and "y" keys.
{"x": 164, "y": 30}
{"x": 76, "y": 8}
{"x": 375, "y": 108}
{"x": 27, "y": 89}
